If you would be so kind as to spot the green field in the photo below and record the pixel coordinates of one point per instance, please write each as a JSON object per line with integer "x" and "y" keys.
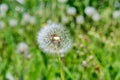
{"x": 95, "y": 34}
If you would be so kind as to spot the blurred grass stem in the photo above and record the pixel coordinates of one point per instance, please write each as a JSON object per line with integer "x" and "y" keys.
{"x": 61, "y": 67}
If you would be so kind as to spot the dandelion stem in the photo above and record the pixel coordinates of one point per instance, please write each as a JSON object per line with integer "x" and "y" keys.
{"x": 61, "y": 68}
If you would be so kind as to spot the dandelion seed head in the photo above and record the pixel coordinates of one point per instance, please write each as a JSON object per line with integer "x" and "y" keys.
{"x": 54, "y": 38}
{"x": 71, "y": 10}
{"x": 80, "y": 19}
{"x": 90, "y": 11}
{"x": 9, "y": 76}
{"x": 96, "y": 17}
{"x": 22, "y": 47}
{"x": 13, "y": 22}
{"x": 3, "y": 8}
{"x": 116, "y": 14}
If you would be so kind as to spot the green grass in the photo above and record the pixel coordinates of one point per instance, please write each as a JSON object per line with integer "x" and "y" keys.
{"x": 100, "y": 39}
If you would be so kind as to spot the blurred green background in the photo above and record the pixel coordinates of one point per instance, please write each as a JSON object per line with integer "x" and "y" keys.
{"x": 95, "y": 54}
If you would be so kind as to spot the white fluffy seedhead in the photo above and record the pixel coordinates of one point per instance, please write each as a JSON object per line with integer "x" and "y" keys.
{"x": 22, "y": 47}
{"x": 71, "y": 10}
{"x": 54, "y": 38}
{"x": 90, "y": 11}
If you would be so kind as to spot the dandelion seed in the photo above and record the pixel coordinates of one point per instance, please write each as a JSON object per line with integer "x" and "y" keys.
{"x": 80, "y": 19}
{"x": 71, "y": 10}
{"x": 54, "y": 38}
{"x": 90, "y": 11}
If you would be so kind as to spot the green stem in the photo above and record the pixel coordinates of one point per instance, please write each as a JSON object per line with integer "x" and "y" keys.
{"x": 61, "y": 68}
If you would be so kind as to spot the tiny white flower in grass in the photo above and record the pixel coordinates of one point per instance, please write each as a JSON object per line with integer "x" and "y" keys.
{"x": 13, "y": 22}
{"x": 80, "y": 19}
{"x": 54, "y": 38}
{"x": 71, "y": 10}
{"x": 9, "y": 76}
{"x": 116, "y": 14}
{"x": 96, "y": 17}
{"x": 2, "y": 24}
{"x": 62, "y": 1}
{"x": 90, "y": 11}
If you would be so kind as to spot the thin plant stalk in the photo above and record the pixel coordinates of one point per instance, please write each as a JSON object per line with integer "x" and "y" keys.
{"x": 61, "y": 68}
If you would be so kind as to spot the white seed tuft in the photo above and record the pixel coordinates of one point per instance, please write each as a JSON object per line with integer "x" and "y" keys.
{"x": 13, "y": 22}
{"x": 54, "y": 38}
{"x": 71, "y": 10}
{"x": 80, "y": 19}
{"x": 90, "y": 11}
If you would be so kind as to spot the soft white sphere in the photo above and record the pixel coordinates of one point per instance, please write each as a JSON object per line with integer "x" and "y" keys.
{"x": 13, "y": 22}
{"x": 54, "y": 38}
{"x": 71, "y": 10}
{"x": 96, "y": 17}
{"x": 90, "y": 11}
{"x": 22, "y": 47}
{"x": 116, "y": 14}
{"x": 27, "y": 18}
{"x": 65, "y": 19}
{"x": 80, "y": 19}
{"x": 9, "y": 76}
{"x": 3, "y": 8}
